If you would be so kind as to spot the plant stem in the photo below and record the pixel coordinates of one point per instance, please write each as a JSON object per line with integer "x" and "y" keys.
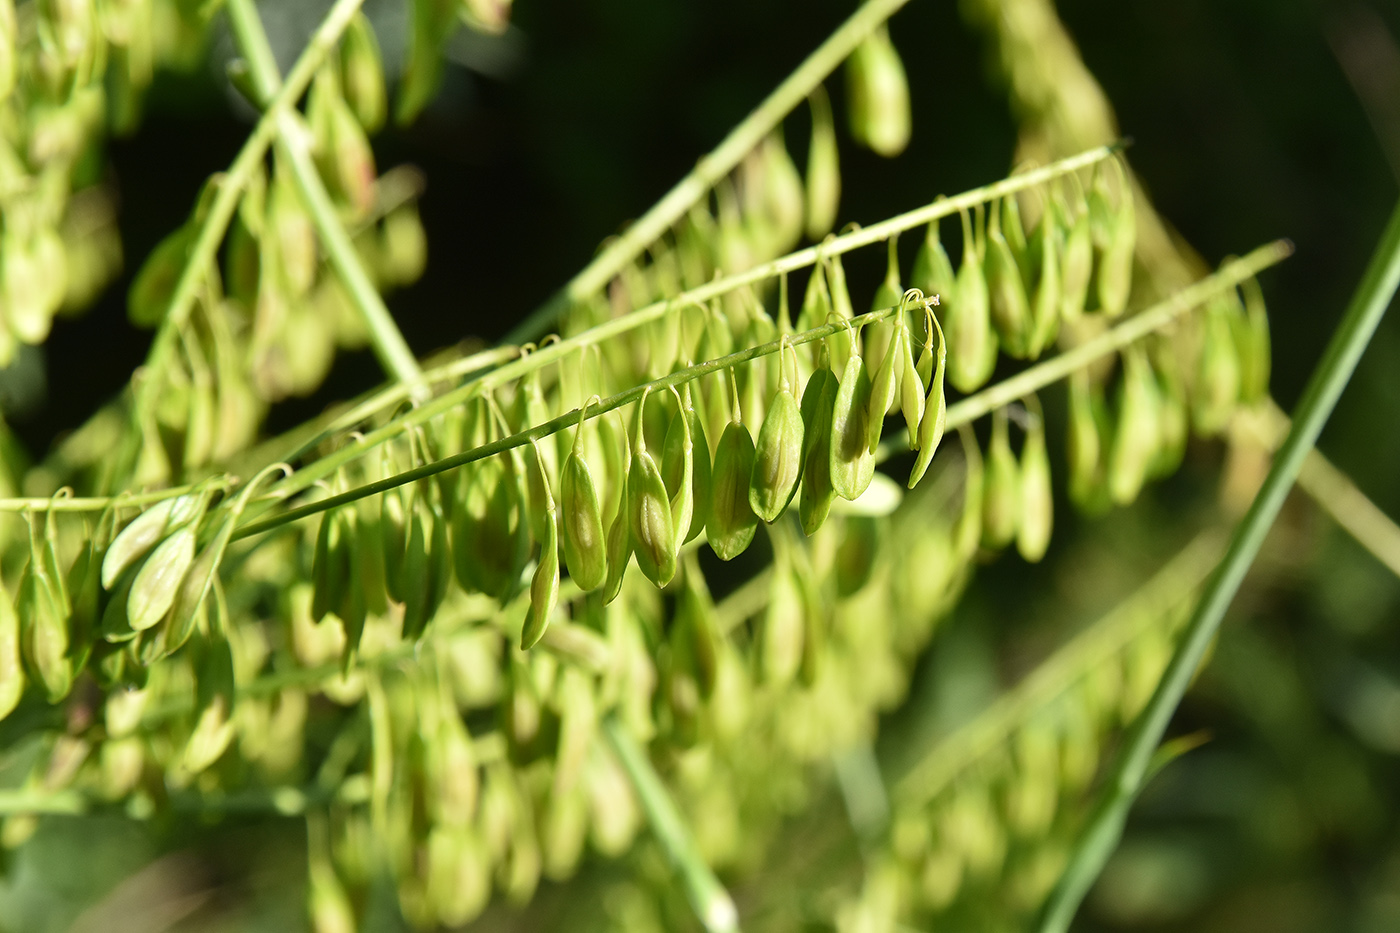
{"x": 711, "y": 168}
{"x": 388, "y": 342}
{"x": 965, "y": 411}
{"x": 1330, "y": 377}
{"x": 230, "y": 189}
{"x": 708, "y": 897}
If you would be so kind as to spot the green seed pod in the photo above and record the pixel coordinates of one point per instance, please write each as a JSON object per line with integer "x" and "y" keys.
{"x": 1115, "y": 268}
{"x": 912, "y": 390}
{"x": 972, "y": 344}
{"x": 1006, "y": 292}
{"x": 330, "y": 562}
{"x": 732, "y": 518}
{"x": 544, "y": 587}
{"x": 852, "y": 464}
{"x": 1217, "y": 389}
{"x": 395, "y": 508}
{"x": 1252, "y": 337}
{"x": 490, "y": 524}
{"x": 784, "y": 627}
{"x": 418, "y": 571}
{"x": 180, "y": 624}
{"x": 702, "y": 638}
{"x": 816, "y": 302}
{"x": 619, "y": 543}
{"x": 890, "y": 294}
{"x": 885, "y": 389}
{"x": 155, "y": 587}
{"x": 678, "y": 462}
{"x": 11, "y": 667}
{"x": 1002, "y": 506}
{"x": 1084, "y": 447}
{"x": 840, "y": 293}
{"x": 9, "y": 61}
{"x": 823, "y": 169}
{"x": 649, "y": 510}
{"x": 878, "y": 95}
{"x": 362, "y": 74}
{"x": 1044, "y": 259}
{"x": 1037, "y": 498}
{"x": 293, "y": 235}
{"x": 673, "y": 465}
{"x": 1173, "y": 419}
{"x": 1077, "y": 263}
{"x": 214, "y": 701}
{"x": 781, "y": 194}
{"x": 1014, "y": 232}
{"x": 140, "y": 535}
{"x": 935, "y": 413}
{"x": 44, "y": 625}
{"x": 1135, "y": 443}
{"x": 933, "y": 271}
{"x": 777, "y": 462}
{"x": 818, "y": 404}
{"x": 585, "y": 545}
{"x": 154, "y": 285}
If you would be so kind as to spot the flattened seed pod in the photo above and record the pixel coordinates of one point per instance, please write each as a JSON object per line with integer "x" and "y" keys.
{"x": 818, "y": 404}
{"x": 1037, "y": 497}
{"x": 1002, "y": 506}
{"x": 490, "y": 525}
{"x": 884, "y": 390}
{"x": 1006, "y": 292}
{"x": 878, "y": 92}
{"x": 912, "y": 389}
{"x": 935, "y": 413}
{"x": 972, "y": 344}
{"x": 673, "y": 464}
{"x": 619, "y": 541}
{"x": 44, "y": 626}
{"x": 1044, "y": 259}
{"x": 823, "y": 168}
{"x": 362, "y": 74}
{"x": 330, "y": 563}
{"x": 156, "y": 585}
{"x": 678, "y": 460}
{"x": 1136, "y": 441}
{"x": 585, "y": 544}
{"x": 1172, "y": 422}
{"x": 1014, "y": 232}
{"x": 732, "y": 518}
{"x": 142, "y": 533}
{"x": 1217, "y": 387}
{"x": 1084, "y": 447}
{"x": 1115, "y": 269}
{"x": 11, "y": 667}
{"x": 649, "y": 510}
{"x": 1252, "y": 337}
{"x": 933, "y": 271}
{"x": 1077, "y": 263}
{"x": 544, "y": 587}
{"x": 777, "y": 463}
{"x": 852, "y": 464}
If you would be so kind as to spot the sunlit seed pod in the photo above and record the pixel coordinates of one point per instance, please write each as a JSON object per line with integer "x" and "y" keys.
{"x": 395, "y": 507}
{"x": 935, "y": 413}
{"x": 1047, "y": 297}
{"x": 544, "y": 586}
{"x": 1138, "y": 436}
{"x": 649, "y": 511}
{"x": 330, "y": 564}
{"x": 1006, "y": 291}
{"x": 195, "y": 588}
{"x": 679, "y": 457}
{"x": 732, "y": 519}
{"x": 818, "y": 404}
{"x": 155, "y": 587}
{"x": 491, "y": 526}
{"x": 1077, "y": 262}
{"x": 1115, "y": 266}
{"x": 777, "y": 460}
{"x": 1252, "y": 337}
{"x": 972, "y": 343}
{"x": 885, "y": 387}
{"x": 619, "y": 548}
{"x": 214, "y": 701}
{"x": 783, "y": 624}
{"x": 458, "y": 875}
{"x": 416, "y": 575}
{"x": 1217, "y": 384}
{"x": 912, "y": 390}
{"x": 1085, "y": 447}
{"x": 816, "y": 301}
{"x": 783, "y": 194}
{"x": 878, "y": 95}
{"x": 1002, "y": 506}
{"x": 538, "y": 470}
{"x": 154, "y": 285}
{"x": 293, "y": 235}
{"x": 852, "y": 463}
{"x": 9, "y": 61}
{"x": 823, "y": 169}
{"x": 11, "y": 666}
{"x": 1037, "y": 508}
{"x": 971, "y": 826}
{"x": 44, "y": 627}
{"x": 933, "y": 272}
{"x": 1014, "y": 232}
{"x": 889, "y": 294}
{"x": 585, "y": 543}
{"x": 362, "y": 74}
{"x": 673, "y": 465}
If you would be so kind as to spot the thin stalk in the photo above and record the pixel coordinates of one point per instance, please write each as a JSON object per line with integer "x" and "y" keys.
{"x": 1105, "y": 827}
{"x": 292, "y": 141}
{"x": 711, "y": 168}
{"x": 230, "y": 189}
{"x": 967, "y": 410}
{"x": 708, "y": 897}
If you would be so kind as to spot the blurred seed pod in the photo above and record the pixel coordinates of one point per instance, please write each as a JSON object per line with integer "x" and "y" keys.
{"x": 1077, "y": 263}
{"x": 1115, "y": 261}
{"x": 972, "y": 344}
{"x": 935, "y": 411}
{"x": 11, "y": 667}
{"x": 362, "y": 74}
{"x": 878, "y": 95}
{"x": 1216, "y": 390}
{"x": 1137, "y": 440}
{"x": 933, "y": 271}
{"x": 1002, "y": 507}
{"x": 431, "y": 25}
{"x": 403, "y": 246}
{"x": 1037, "y": 499}
{"x": 818, "y": 405}
{"x": 823, "y": 168}
{"x": 1006, "y": 291}
{"x": 1252, "y": 337}
{"x": 154, "y": 285}
{"x": 968, "y": 532}
{"x": 1043, "y": 258}
{"x": 1085, "y": 446}
{"x": 783, "y": 622}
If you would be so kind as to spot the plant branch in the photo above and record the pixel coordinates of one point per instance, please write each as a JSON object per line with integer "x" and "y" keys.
{"x": 708, "y": 897}
{"x": 292, "y": 141}
{"x": 711, "y": 168}
{"x": 1105, "y": 827}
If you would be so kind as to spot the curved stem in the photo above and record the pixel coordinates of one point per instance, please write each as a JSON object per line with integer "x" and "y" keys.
{"x": 1105, "y": 828}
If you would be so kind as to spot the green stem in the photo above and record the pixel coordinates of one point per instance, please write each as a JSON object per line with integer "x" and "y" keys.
{"x": 230, "y": 189}
{"x": 708, "y": 897}
{"x": 711, "y": 168}
{"x": 1330, "y": 377}
{"x": 388, "y": 342}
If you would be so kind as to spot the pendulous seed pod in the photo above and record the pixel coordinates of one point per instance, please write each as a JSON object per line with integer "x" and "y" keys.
{"x": 972, "y": 344}
{"x": 1252, "y": 337}
{"x": 544, "y": 586}
{"x": 1037, "y": 498}
{"x": 818, "y": 403}
{"x": 490, "y": 521}
{"x": 732, "y": 518}
{"x": 681, "y": 448}
{"x": 1046, "y": 299}
{"x": 878, "y": 95}
{"x": 1137, "y": 439}
{"x": 330, "y": 563}
{"x": 11, "y": 665}
{"x": 912, "y": 388}
{"x": 933, "y": 272}
{"x": 156, "y": 585}
{"x": 1002, "y": 504}
{"x": 885, "y": 388}
{"x": 1115, "y": 266}
{"x": 784, "y": 626}
{"x": 44, "y": 625}
{"x": 1077, "y": 262}
{"x": 1217, "y": 385}
{"x": 585, "y": 544}
{"x": 823, "y": 168}
{"x": 879, "y": 335}
{"x": 935, "y": 412}
{"x": 777, "y": 461}
{"x": 1006, "y": 292}
{"x": 1173, "y": 421}
{"x": 362, "y": 74}
{"x": 649, "y": 510}
{"x": 143, "y": 532}
{"x": 1085, "y": 445}
{"x": 673, "y": 465}
{"x": 852, "y": 464}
